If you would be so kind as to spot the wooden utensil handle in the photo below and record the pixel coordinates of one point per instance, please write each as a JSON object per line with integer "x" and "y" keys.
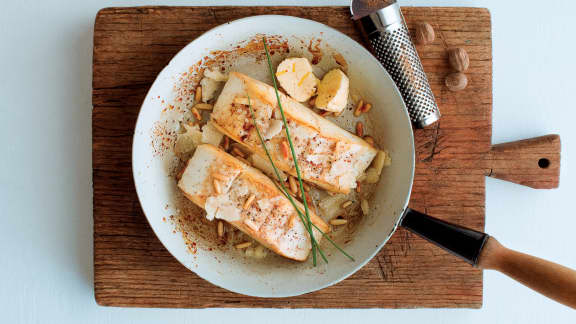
{"x": 550, "y": 279}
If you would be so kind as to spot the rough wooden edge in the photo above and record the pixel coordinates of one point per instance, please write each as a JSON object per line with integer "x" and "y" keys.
{"x": 533, "y": 162}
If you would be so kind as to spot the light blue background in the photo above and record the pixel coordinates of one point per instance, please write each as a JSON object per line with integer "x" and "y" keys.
{"x": 45, "y": 167}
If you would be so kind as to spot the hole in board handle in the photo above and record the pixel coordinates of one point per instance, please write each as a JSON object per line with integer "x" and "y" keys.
{"x": 543, "y": 163}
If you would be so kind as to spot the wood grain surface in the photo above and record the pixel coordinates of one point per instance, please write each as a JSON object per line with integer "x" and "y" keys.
{"x": 533, "y": 162}
{"x": 132, "y": 268}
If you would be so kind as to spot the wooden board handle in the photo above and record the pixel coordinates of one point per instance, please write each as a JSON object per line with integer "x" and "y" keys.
{"x": 548, "y": 278}
{"x": 532, "y": 162}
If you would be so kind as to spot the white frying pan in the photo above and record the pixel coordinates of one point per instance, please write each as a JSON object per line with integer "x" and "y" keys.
{"x": 156, "y": 188}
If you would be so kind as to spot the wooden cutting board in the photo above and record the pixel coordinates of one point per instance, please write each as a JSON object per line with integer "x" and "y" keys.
{"x": 132, "y": 268}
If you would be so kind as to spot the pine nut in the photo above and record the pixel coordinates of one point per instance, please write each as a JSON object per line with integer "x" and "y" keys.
{"x": 358, "y": 188}
{"x": 198, "y": 95}
{"x": 359, "y": 129}
{"x": 306, "y": 186}
{"x": 220, "y": 229}
{"x": 249, "y": 201}
{"x": 203, "y": 106}
{"x": 293, "y": 185}
{"x": 284, "y": 148}
{"x": 338, "y": 221}
{"x": 358, "y": 109}
{"x": 369, "y": 139}
{"x": 243, "y": 245}
{"x": 365, "y": 207}
{"x": 217, "y": 187}
{"x": 287, "y": 185}
{"x": 346, "y": 204}
{"x": 219, "y": 176}
{"x": 366, "y": 108}
{"x": 196, "y": 114}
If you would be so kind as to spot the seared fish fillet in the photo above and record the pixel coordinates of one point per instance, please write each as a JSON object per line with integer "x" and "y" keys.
{"x": 327, "y": 155}
{"x": 224, "y": 187}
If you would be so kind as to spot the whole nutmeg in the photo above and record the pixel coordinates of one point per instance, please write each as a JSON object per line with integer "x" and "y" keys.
{"x": 458, "y": 58}
{"x": 456, "y": 81}
{"x": 424, "y": 33}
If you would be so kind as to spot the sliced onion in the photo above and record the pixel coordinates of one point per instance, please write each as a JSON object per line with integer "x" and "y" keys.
{"x": 211, "y": 135}
{"x": 215, "y": 75}
{"x": 186, "y": 142}
{"x": 365, "y": 207}
{"x": 330, "y": 207}
{"x": 210, "y": 88}
{"x": 373, "y": 172}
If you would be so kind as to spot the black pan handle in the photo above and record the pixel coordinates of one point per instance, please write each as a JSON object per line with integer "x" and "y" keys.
{"x": 460, "y": 241}
{"x": 477, "y": 248}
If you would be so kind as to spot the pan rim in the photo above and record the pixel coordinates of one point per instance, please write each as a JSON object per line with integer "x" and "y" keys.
{"x": 398, "y": 217}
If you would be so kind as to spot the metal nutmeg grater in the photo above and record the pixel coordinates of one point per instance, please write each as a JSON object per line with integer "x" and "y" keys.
{"x": 383, "y": 25}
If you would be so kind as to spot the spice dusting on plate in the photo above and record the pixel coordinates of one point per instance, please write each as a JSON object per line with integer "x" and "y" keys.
{"x": 162, "y": 137}
{"x": 223, "y": 61}
{"x": 314, "y": 49}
